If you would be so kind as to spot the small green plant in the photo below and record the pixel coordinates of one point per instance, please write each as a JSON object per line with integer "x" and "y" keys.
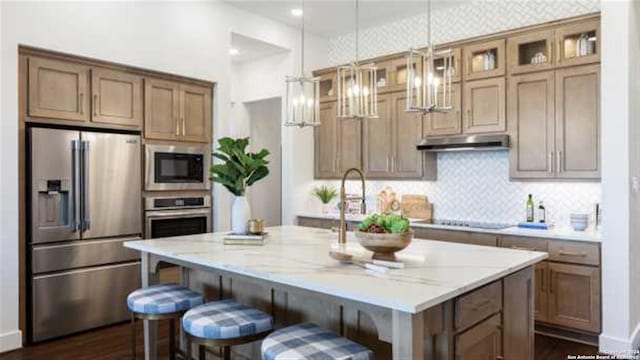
{"x": 385, "y": 223}
{"x": 325, "y": 193}
{"x": 239, "y": 168}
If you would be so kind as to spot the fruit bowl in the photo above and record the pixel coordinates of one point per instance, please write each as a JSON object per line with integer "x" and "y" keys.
{"x": 384, "y": 245}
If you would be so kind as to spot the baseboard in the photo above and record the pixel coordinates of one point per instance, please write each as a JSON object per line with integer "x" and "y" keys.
{"x": 611, "y": 344}
{"x": 10, "y": 341}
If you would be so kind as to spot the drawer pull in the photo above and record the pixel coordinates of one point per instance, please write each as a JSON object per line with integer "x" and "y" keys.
{"x": 569, "y": 253}
{"x": 481, "y": 304}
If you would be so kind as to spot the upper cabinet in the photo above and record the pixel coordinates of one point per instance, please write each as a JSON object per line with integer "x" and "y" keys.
{"x": 175, "y": 111}
{"x": 483, "y": 60}
{"x": 449, "y": 123}
{"x": 578, "y": 122}
{"x": 578, "y": 43}
{"x": 117, "y": 98}
{"x": 58, "y": 90}
{"x": 326, "y": 143}
{"x": 378, "y": 140}
{"x": 531, "y": 52}
{"x": 484, "y": 106}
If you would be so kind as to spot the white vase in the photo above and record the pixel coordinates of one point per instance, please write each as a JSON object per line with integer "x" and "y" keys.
{"x": 240, "y": 215}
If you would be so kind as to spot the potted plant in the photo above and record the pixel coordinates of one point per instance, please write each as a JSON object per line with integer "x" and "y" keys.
{"x": 325, "y": 193}
{"x": 384, "y": 234}
{"x": 238, "y": 170}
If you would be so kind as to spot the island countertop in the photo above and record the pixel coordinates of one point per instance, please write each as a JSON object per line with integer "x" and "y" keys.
{"x": 434, "y": 271}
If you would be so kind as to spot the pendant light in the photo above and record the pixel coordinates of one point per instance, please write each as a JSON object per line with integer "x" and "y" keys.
{"x": 428, "y": 85}
{"x": 303, "y": 93}
{"x": 357, "y": 92}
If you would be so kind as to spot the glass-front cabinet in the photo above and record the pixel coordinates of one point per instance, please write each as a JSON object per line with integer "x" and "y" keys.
{"x": 578, "y": 43}
{"x": 531, "y": 52}
{"x": 484, "y": 60}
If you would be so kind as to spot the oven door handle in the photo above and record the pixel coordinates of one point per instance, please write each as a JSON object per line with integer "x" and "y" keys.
{"x": 176, "y": 213}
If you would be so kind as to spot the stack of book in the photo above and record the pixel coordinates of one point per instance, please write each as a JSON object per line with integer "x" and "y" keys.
{"x": 245, "y": 239}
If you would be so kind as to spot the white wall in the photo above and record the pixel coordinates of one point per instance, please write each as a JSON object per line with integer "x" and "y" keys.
{"x": 185, "y": 38}
{"x": 620, "y": 137}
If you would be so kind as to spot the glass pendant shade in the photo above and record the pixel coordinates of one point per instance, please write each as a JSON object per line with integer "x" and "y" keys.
{"x": 357, "y": 92}
{"x": 302, "y": 101}
{"x": 429, "y": 75}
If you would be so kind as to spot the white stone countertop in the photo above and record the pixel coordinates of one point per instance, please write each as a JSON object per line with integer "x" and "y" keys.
{"x": 556, "y": 232}
{"x": 434, "y": 271}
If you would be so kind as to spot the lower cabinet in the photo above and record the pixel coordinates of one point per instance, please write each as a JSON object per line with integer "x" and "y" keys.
{"x": 541, "y": 296}
{"x": 574, "y": 296}
{"x": 481, "y": 342}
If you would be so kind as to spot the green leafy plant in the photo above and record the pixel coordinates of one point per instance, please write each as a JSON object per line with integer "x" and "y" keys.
{"x": 239, "y": 168}
{"x": 385, "y": 223}
{"x": 325, "y": 193}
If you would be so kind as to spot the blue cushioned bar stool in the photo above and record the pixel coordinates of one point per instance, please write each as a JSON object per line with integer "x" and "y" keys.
{"x": 161, "y": 302}
{"x": 224, "y": 323}
{"x": 309, "y": 341}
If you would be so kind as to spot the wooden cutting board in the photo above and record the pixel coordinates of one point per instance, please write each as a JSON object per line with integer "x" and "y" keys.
{"x": 416, "y": 206}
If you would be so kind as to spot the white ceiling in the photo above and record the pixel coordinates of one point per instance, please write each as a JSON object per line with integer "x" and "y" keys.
{"x": 251, "y": 49}
{"x": 336, "y": 17}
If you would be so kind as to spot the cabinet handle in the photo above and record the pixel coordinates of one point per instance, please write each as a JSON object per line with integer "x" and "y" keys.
{"x": 559, "y": 50}
{"x": 559, "y": 161}
{"x": 569, "y": 253}
{"x": 335, "y": 164}
{"x": 393, "y": 163}
{"x": 550, "y": 165}
{"x": 388, "y": 161}
{"x": 469, "y": 116}
{"x": 95, "y": 104}
{"x": 177, "y": 127}
{"x": 80, "y": 102}
{"x": 184, "y": 132}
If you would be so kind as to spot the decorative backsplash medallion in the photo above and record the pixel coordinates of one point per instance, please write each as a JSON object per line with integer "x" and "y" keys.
{"x": 476, "y": 186}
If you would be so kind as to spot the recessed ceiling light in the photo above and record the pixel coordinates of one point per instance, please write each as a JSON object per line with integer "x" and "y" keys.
{"x": 234, "y": 51}
{"x": 296, "y": 12}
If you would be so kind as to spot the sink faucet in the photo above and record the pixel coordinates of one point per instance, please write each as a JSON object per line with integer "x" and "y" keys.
{"x": 342, "y": 235}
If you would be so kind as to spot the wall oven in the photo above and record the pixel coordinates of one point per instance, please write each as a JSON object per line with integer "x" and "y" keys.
{"x": 172, "y": 167}
{"x": 177, "y": 216}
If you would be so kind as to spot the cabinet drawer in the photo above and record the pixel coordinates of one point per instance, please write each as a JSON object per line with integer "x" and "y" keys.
{"x": 477, "y": 305}
{"x": 573, "y": 252}
{"x": 464, "y": 237}
{"x": 310, "y": 222}
{"x": 524, "y": 243}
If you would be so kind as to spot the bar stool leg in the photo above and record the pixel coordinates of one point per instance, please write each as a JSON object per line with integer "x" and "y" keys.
{"x": 172, "y": 339}
{"x": 201, "y": 353}
{"x": 227, "y": 352}
{"x": 133, "y": 336}
{"x": 187, "y": 344}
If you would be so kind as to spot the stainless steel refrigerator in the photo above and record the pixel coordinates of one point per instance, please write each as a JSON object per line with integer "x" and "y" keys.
{"x": 84, "y": 202}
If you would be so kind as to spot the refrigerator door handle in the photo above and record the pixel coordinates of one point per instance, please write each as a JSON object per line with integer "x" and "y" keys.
{"x": 86, "y": 214}
{"x": 75, "y": 186}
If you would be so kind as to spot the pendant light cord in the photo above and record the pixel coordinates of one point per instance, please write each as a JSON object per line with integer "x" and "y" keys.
{"x": 357, "y": 29}
{"x": 428, "y": 22}
{"x": 304, "y": 14}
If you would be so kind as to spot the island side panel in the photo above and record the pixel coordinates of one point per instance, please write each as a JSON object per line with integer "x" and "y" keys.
{"x": 518, "y": 315}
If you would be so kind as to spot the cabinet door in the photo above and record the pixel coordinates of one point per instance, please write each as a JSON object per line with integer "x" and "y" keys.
{"x": 326, "y": 143}
{"x": 574, "y": 296}
{"x": 117, "y": 98}
{"x": 162, "y": 103}
{"x": 406, "y": 160}
{"x": 531, "y": 125}
{"x": 484, "y": 106}
{"x": 448, "y": 123}
{"x": 350, "y": 147}
{"x": 475, "y": 56}
{"x": 195, "y": 113}
{"x": 58, "y": 90}
{"x": 530, "y": 52}
{"x": 578, "y": 122}
{"x": 569, "y": 38}
{"x": 541, "y": 300}
{"x": 378, "y": 141}
{"x": 481, "y": 342}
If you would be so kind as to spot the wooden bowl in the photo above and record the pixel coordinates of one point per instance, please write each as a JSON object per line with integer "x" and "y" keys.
{"x": 384, "y": 246}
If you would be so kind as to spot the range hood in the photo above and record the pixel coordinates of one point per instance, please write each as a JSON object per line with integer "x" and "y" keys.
{"x": 465, "y": 143}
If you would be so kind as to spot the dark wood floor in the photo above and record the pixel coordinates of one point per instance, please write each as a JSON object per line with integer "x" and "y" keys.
{"x": 114, "y": 343}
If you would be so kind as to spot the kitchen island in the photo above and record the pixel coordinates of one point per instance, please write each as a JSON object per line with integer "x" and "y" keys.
{"x": 450, "y": 301}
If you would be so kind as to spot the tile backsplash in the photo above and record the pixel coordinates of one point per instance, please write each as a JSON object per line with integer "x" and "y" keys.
{"x": 476, "y": 186}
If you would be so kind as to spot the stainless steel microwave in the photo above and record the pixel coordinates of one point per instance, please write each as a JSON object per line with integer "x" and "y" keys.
{"x": 173, "y": 167}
